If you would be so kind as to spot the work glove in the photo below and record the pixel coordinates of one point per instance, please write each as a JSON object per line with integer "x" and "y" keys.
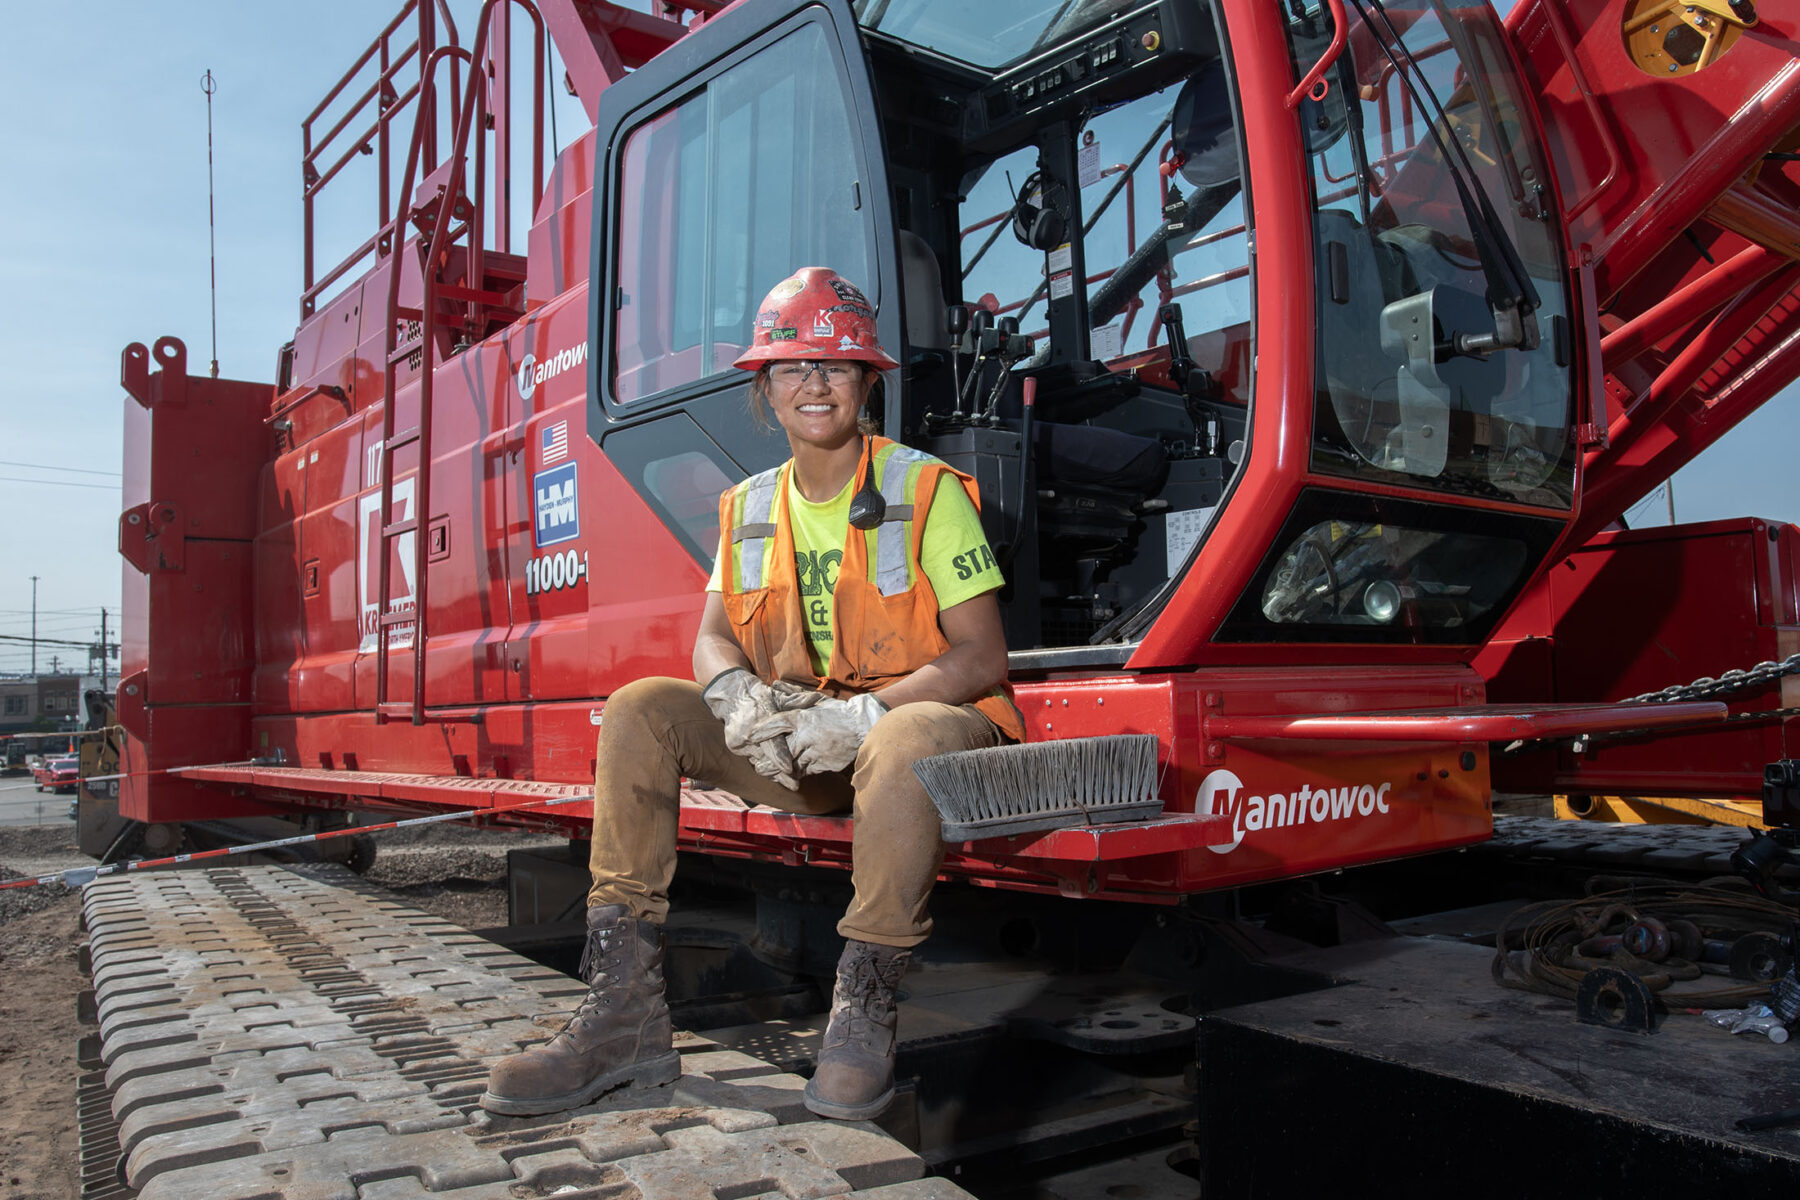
{"x": 744, "y": 704}
{"x": 826, "y": 736}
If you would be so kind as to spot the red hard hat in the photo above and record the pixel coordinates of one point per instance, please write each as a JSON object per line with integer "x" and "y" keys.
{"x": 815, "y": 313}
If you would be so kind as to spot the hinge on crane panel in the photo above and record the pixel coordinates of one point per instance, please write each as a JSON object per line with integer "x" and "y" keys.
{"x": 1212, "y": 704}
{"x": 1590, "y": 435}
{"x": 151, "y": 537}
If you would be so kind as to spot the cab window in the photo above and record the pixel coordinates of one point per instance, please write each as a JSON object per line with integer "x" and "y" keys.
{"x": 721, "y": 196}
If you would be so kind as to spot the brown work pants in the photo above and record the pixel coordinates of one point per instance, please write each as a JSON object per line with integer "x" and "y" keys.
{"x": 655, "y": 731}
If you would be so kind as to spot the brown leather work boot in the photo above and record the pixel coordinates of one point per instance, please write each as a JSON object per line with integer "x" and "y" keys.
{"x": 619, "y": 1035}
{"x": 855, "y": 1077}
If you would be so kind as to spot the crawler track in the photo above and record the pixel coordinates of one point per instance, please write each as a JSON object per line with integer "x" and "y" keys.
{"x": 1676, "y": 850}
{"x": 292, "y": 1032}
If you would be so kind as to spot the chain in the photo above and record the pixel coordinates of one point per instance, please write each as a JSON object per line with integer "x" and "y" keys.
{"x": 1706, "y": 687}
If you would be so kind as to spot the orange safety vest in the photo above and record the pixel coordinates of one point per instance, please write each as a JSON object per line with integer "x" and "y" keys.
{"x": 882, "y": 629}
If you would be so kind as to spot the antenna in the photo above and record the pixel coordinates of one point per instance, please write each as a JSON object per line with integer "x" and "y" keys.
{"x": 209, "y": 85}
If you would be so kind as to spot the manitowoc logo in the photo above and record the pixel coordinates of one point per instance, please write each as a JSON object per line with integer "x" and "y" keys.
{"x": 532, "y": 372}
{"x": 1222, "y": 794}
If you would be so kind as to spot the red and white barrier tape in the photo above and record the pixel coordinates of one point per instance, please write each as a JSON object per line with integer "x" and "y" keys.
{"x": 72, "y": 733}
{"x": 82, "y": 876}
{"x": 242, "y": 762}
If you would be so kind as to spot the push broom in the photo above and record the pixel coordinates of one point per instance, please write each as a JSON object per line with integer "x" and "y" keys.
{"x": 1003, "y": 790}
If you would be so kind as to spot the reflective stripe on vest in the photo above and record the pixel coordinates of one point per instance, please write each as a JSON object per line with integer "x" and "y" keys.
{"x": 893, "y": 476}
{"x": 895, "y": 473}
{"x": 755, "y": 528}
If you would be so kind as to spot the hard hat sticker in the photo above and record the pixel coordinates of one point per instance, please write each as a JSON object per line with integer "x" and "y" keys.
{"x": 848, "y": 292}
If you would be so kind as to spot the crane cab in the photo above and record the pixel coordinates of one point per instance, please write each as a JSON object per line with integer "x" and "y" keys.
{"x": 1296, "y": 305}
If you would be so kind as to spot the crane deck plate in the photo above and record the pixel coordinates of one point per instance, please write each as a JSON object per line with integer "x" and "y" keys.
{"x": 1594, "y": 845}
{"x": 295, "y": 1032}
{"x": 1417, "y": 1067}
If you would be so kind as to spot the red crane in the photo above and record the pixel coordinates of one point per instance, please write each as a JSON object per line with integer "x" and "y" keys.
{"x": 1354, "y": 330}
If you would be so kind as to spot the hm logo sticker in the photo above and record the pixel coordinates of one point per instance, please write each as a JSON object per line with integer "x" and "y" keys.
{"x": 558, "y": 509}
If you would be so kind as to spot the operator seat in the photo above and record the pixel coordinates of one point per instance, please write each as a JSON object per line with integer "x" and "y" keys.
{"x": 922, "y": 294}
{"x": 1357, "y": 277}
{"x": 922, "y": 304}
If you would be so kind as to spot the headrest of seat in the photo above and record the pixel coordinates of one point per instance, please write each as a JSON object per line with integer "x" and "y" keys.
{"x": 922, "y": 294}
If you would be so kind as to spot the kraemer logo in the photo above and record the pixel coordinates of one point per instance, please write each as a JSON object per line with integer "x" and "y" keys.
{"x": 558, "y": 510}
{"x": 532, "y": 372}
{"x": 1221, "y": 794}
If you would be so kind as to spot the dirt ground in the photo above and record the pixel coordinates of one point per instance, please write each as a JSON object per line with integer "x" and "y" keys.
{"x": 458, "y": 874}
{"x": 39, "y": 980}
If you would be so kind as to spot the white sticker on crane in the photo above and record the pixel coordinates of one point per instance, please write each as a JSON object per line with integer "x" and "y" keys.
{"x": 1107, "y": 342}
{"x": 1087, "y": 160}
{"x": 1184, "y": 529}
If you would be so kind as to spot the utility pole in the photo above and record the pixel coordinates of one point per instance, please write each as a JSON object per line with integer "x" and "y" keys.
{"x": 1669, "y": 490}
{"x": 103, "y": 649}
{"x": 34, "y": 580}
{"x": 55, "y": 661}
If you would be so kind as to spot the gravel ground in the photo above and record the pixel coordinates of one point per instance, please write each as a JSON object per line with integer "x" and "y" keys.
{"x": 456, "y": 873}
{"x": 453, "y": 872}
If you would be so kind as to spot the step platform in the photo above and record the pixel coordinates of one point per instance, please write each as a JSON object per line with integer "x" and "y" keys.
{"x": 291, "y": 1031}
{"x": 1418, "y": 1076}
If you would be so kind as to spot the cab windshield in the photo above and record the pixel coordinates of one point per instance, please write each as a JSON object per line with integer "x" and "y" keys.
{"x": 993, "y": 34}
{"x": 1428, "y": 204}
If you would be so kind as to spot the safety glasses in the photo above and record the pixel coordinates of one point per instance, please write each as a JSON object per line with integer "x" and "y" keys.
{"x": 793, "y": 375}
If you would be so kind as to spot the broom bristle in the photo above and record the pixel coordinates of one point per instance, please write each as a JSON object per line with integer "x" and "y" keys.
{"x": 1004, "y": 790}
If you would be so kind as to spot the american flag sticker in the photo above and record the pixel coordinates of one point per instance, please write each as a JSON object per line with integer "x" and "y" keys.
{"x": 556, "y": 442}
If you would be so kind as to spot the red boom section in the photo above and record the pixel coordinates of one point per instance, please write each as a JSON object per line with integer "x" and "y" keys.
{"x": 1671, "y": 126}
{"x": 1681, "y": 209}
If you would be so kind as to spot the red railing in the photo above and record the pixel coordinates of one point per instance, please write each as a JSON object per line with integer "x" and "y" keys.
{"x": 449, "y": 207}
{"x": 349, "y": 140}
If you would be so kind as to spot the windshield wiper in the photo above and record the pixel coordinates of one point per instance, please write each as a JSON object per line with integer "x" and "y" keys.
{"x": 1048, "y": 38}
{"x": 1511, "y": 296}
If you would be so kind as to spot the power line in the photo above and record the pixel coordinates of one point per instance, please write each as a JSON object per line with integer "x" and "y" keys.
{"x": 1655, "y": 493}
{"x": 103, "y": 487}
{"x": 43, "y": 641}
{"x": 58, "y": 612}
{"x": 45, "y": 467}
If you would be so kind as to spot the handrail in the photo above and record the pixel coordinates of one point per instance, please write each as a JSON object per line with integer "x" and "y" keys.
{"x": 1315, "y": 78}
{"x": 316, "y": 179}
{"x": 372, "y": 138}
{"x": 1593, "y": 107}
{"x": 445, "y": 228}
{"x": 425, "y": 118}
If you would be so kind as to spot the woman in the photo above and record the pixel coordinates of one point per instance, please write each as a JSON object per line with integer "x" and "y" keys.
{"x": 850, "y": 629}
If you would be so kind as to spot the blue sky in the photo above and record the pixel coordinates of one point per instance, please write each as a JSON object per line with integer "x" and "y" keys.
{"x": 105, "y": 211}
